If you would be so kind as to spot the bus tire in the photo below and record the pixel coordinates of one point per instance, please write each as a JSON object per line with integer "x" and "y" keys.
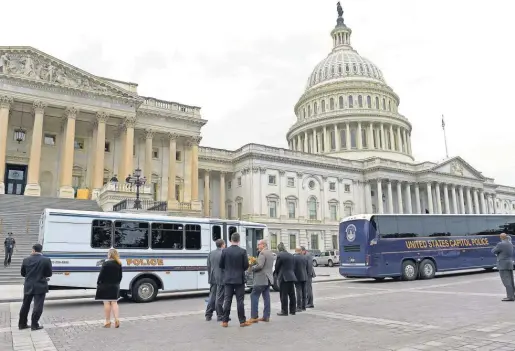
{"x": 427, "y": 269}
{"x": 144, "y": 290}
{"x": 330, "y": 263}
{"x": 491, "y": 269}
{"x": 409, "y": 270}
{"x": 379, "y": 279}
{"x": 315, "y": 263}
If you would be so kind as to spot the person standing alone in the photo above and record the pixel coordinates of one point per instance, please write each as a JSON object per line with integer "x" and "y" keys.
{"x": 234, "y": 262}
{"x": 36, "y": 269}
{"x": 216, "y": 281}
{"x": 309, "y": 281}
{"x": 9, "y": 245}
{"x": 263, "y": 278}
{"x": 504, "y": 252}
{"x": 301, "y": 273}
{"x": 284, "y": 267}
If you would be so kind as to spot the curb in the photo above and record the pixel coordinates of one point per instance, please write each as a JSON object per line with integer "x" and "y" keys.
{"x": 86, "y": 296}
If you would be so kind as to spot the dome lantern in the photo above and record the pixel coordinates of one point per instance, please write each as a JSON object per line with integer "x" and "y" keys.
{"x": 341, "y": 33}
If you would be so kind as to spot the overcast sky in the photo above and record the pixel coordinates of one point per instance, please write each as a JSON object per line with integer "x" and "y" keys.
{"x": 246, "y": 63}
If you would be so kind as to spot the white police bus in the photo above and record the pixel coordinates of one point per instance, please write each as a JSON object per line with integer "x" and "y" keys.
{"x": 158, "y": 253}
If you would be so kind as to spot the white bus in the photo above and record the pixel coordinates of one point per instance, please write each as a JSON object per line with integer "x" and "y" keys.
{"x": 157, "y": 252}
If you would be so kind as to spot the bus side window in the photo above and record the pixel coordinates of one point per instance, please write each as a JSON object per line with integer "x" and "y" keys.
{"x": 216, "y": 232}
{"x": 433, "y": 226}
{"x": 477, "y": 225}
{"x": 232, "y": 230}
{"x": 193, "y": 237}
{"x": 387, "y": 226}
{"x": 495, "y": 225}
{"x": 131, "y": 235}
{"x": 101, "y": 234}
{"x": 456, "y": 225}
{"x": 408, "y": 227}
{"x": 167, "y": 236}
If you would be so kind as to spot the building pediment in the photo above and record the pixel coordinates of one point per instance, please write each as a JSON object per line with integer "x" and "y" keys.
{"x": 457, "y": 166}
{"x": 31, "y": 65}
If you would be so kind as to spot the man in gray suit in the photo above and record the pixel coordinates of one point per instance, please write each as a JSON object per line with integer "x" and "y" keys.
{"x": 504, "y": 252}
{"x": 301, "y": 272}
{"x": 263, "y": 278}
{"x": 309, "y": 281}
{"x": 216, "y": 280}
{"x": 36, "y": 269}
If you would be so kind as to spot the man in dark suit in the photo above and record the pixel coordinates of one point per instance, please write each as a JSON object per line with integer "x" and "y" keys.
{"x": 234, "y": 261}
{"x": 301, "y": 273}
{"x": 215, "y": 277}
{"x": 284, "y": 267}
{"x": 36, "y": 269}
{"x": 504, "y": 252}
{"x": 309, "y": 281}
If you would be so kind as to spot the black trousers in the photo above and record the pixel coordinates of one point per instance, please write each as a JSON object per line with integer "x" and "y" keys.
{"x": 37, "y": 310}
{"x": 287, "y": 291}
{"x": 8, "y": 256}
{"x": 300, "y": 291}
{"x": 229, "y": 291}
{"x": 309, "y": 292}
{"x": 216, "y": 300}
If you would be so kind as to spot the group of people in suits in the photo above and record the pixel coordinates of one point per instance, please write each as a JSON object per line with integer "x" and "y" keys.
{"x": 226, "y": 273}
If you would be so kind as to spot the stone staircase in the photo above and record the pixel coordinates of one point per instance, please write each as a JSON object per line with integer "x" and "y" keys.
{"x": 20, "y": 215}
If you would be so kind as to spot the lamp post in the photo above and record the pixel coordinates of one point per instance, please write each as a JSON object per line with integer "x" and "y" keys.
{"x": 137, "y": 181}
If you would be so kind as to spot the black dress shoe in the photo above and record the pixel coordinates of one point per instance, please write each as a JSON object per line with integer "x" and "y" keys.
{"x": 299, "y": 309}
{"x": 310, "y": 306}
{"x": 21, "y": 327}
{"x": 208, "y": 318}
{"x": 292, "y": 313}
{"x": 282, "y": 314}
{"x": 507, "y": 299}
{"x": 39, "y": 327}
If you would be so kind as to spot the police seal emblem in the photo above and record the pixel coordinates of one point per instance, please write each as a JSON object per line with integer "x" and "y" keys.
{"x": 350, "y": 232}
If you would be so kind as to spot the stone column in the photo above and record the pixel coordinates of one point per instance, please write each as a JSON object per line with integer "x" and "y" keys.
{"x": 454, "y": 200}
{"x": 409, "y": 209}
{"x": 172, "y": 170}
{"x": 327, "y": 145}
{"x": 438, "y": 199}
{"x": 429, "y": 198}
{"x": 383, "y": 138}
{"x": 306, "y": 149}
{"x": 399, "y": 139}
{"x": 130, "y": 122}
{"x": 482, "y": 199}
{"x": 33, "y": 188}
{"x": 222, "y": 195}
{"x": 359, "y": 138}
{"x": 314, "y": 147}
{"x": 462, "y": 200}
{"x": 379, "y": 197}
{"x": 476, "y": 201}
{"x": 370, "y": 144}
{"x": 469, "y": 201}
{"x": 337, "y": 139}
{"x": 299, "y": 143}
{"x": 121, "y": 154}
{"x": 194, "y": 171}
{"x": 408, "y": 143}
{"x": 149, "y": 135}
{"x": 98, "y": 177}
{"x": 399, "y": 197}
{"x": 368, "y": 197}
{"x": 390, "y": 196}
{"x": 446, "y": 199}
{"x": 207, "y": 199}
{"x": 5, "y": 106}
{"x": 65, "y": 189}
{"x": 349, "y": 144}
{"x": 392, "y": 139}
{"x": 417, "y": 198}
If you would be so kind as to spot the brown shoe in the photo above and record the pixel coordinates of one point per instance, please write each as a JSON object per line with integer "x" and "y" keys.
{"x": 245, "y": 324}
{"x": 225, "y": 324}
{"x": 264, "y": 320}
{"x": 253, "y": 320}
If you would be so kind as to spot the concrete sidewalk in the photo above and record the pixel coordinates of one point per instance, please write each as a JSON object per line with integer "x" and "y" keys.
{"x": 14, "y": 293}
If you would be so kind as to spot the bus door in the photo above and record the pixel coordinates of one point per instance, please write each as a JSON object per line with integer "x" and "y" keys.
{"x": 354, "y": 243}
{"x": 252, "y": 236}
{"x": 218, "y": 231}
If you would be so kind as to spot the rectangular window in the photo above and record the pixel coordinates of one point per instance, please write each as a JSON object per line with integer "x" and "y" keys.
{"x": 333, "y": 209}
{"x": 131, "y": 235}
{"x": 347, "y": 188}
{"x": 229, "y": 184}
{"x": 216, "y": 232}
{"x": 101, "y": 234}
{"x": 193, "y": 237}
{"x": 178, "y": 156}
{"x": 314, "y": 241}
{"x": 155, "y": 152}
{"x": 271, "y": 179}
{"x": 273, "y": 241}
{"x": 272, "y": 209}
{"x": 291, "y": 210}
{"x": 49, "y": 139}
{"x": 239, "y": 181}
{"x": 335, "y": 242}
{"x": 229, "y": 211}
{"x": 177, "y": 192}
{"x": 107, "y": 146}
{"x": 293, "y": 241}
{"x": 167, "y": 236}
{"x": 332, "y": 186}
{"x": 291, "y": 182}
{"x": 78, "y": 144}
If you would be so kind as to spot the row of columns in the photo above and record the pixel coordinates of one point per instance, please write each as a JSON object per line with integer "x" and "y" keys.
{"x": 462, "y": 200}
{"x": 318, "y": 140}
{"x": 207, "y": 198}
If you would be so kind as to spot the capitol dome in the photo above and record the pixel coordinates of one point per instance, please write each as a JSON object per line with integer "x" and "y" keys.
{"x": 348, "y": 110}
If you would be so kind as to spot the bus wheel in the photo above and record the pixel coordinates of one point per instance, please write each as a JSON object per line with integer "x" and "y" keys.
{"x": 379, "y": 279}
{"x": 427, "y": 269}
{"x": 409, "y": 270}
{"x": 330, "y": 263}
{"x": 144, "y": 290}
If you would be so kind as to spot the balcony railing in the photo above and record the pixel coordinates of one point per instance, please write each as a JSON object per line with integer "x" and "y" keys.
{"x": 145, "y": 205}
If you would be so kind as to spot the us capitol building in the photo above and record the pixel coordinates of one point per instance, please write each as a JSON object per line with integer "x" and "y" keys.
{"x": 65, "y": 133}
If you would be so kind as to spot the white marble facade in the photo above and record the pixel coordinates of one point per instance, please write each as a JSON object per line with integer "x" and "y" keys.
{"x": 349, "y": 149}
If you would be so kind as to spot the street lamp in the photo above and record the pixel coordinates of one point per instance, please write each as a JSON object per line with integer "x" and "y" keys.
{"x": 137, "y": 181}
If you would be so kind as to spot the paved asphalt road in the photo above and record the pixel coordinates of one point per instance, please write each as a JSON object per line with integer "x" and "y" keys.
{"x": 453, "y": 312}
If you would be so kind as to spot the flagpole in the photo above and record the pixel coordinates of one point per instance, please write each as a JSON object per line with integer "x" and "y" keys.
{"x": 445, "y": 138}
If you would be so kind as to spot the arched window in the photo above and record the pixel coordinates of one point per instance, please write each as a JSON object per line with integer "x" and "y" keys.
{"x": 309, "y": 110}
{"x": 312, "y": 208}
{"x": 315, "y": 79}
{"x": 360, "y": 101}
{"x": 364, "y": 141}
{"x": 340, "y": 70}
{"x": 332, "y": 71}
{"x": 326, "y": 72}
{"x": 384, "y": 104}
{"x": 315, "y": 108}
{"x": 369, "y": 101}
{"x": 389, "y": 105}
{"x": 351, "y": 102}
{"x": 340, "y": 102}
{"x": 331, "y": 104}
{"x": 304, "y": 113}
{"x": 323, "y": 106}
{"x": 353, "y": 142}
{"x": 377, "y": 103}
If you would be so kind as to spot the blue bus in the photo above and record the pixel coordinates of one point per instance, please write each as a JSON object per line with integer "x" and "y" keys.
{"x": 413, "y": 247}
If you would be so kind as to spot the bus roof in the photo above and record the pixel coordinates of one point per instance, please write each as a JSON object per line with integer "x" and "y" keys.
{"x": 143, "y": 216}
{"x": 368, "y": 217}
